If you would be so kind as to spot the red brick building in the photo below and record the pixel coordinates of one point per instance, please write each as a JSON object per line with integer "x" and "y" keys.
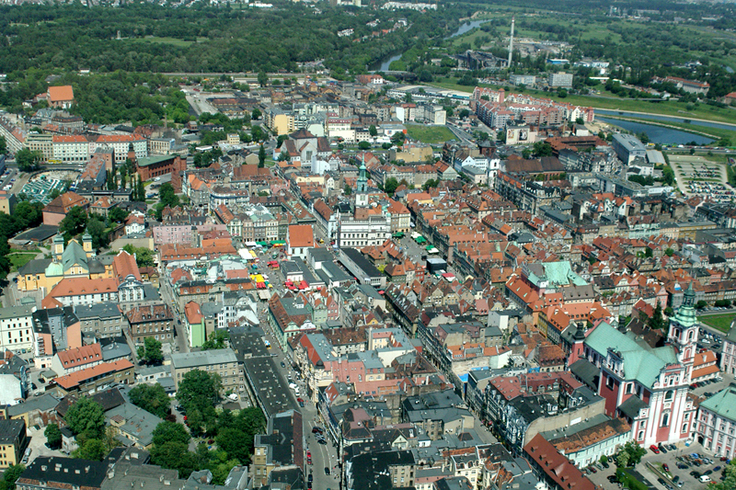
{"x": 157, "y": 166}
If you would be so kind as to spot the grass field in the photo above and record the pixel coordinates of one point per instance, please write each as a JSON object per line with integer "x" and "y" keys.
{"x": 719, "y": 322}
{"x": 163, "y": 40}
{"x": 18, "y": 260}
{"x": 429, "y": 134}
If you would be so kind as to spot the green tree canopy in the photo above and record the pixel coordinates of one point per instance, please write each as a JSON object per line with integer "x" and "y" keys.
{"x": 175, "y": 456}
{"x": 151, "y": 398}
{"x": 261, "y": 157}
{"x": 216, "y": 340}
{"x": 11, "y": 475}
{"x": 170, "y": 432}
{"x": 86, "y": 418}
{"x": 390, "y": 185}
{"x": 28, "y": 160}
{"x": 53, "y": 435}
{"x": 73, "y": 223}
{"x": 143, "y": 257}
{"x": 199, "y": 389}
{"x": 150, "y": 352}
{"x": 373, "y": 131}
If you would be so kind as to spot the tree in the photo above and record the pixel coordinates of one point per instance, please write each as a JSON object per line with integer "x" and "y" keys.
{"x": 199, "y": 389}
{"x": 373, "y": 131}
{"x": 28, "y": 160}
{"x": 73, "y": 223}
{"x": 143, "y": 256}
{"x": 175, "y": 456}
{"x": 364, "y": 145}
{"x": 140, "y": 191}
{"x": 701, "y": 304}
{"x": 117, "y": 215}
{"x": 657, "y": 321}
{"x": 150, "y": 352}
{"x": 168, "y": 196}
{"x": 347, "y": 190}
{"x": 262, "y": 79}
{"x": 630, "y": 454}
{"x": 86, "y": 418}
{"x": 669, "y": 252}
{"x": 93, "y": 449}
{"x": 11, "y": 475}
{"x": 53, "y": 435}
{"x": 151, "y": 398}
{"x": 390, "y": 185}
{"x": 261, "y": 157}
{"x": 398, "y": 138}
{"x": 729, "y": 480}
{"x": 542, "y": 149}
{"x": 430, "y": 184}
{"x": 284, "y": 156}
{"x": 3, "y": 146}
{"x": 256, "y": 114}
{"x": 170, "y": 432}
{"x": 464, "y": 113}
{"x": 216, "y": 340}
{"x": 98, "y": 231}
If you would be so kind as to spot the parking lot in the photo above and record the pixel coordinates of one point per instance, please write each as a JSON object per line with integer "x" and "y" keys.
{"x": 651, "y": 468}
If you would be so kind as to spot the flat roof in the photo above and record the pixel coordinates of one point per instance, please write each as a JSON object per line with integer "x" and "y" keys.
{"x": 203, "y": 358}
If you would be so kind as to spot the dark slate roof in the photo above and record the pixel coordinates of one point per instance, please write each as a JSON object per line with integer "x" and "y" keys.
{"x": 586, "y": 371}
{"x": 35, "y": 266}
{"x": 631, "y": 406}
{"x": 38, "y": 234}
{"x": 10, "y": 430}
{"x": 69, "y": 471}
{"x": 108, "y": 399}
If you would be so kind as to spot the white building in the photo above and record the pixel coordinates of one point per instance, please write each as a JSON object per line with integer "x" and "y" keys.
{"x": 560, "y": 79}
{"x": 373, "y": 229}
{"x": 715, "y": 426}
{"x": 16, "y": 328}
{"x": 728, "y": 360}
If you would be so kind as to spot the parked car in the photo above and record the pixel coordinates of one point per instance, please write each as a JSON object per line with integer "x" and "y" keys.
{"x": 612, "y": 478}
{"x": 654, "y": 449}
{"x": 605, "y": 463}
{"x": 327, "y": 470}
{"x": 665, "y": 467}
{"x": 717, "y": 468}
{"x": 593, "y": 470}
{"x": 662, "y": 448}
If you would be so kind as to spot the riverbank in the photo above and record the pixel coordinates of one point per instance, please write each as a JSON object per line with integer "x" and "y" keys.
{"x": 662, "y": 125}
{"x": 670, "y": 108}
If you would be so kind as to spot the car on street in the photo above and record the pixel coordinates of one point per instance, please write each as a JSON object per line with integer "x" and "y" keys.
{"x": 310, "y": 478}
{"x": 612, "y": 478}
{"x": 695, "y": 474}
{"x": 662, "y": 448}
{"x": 654, "y": 449}
{"x": 665, "y": 467}
{"x": 316, "y": 430}
{"x": 327, "y": 470}
{"x": 322, "y": 441}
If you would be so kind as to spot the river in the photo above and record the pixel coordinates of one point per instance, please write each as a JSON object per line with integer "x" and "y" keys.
{"x": 657, "y": 117}
{"x": 466, "y": 27}
{"x": 658, "y": 134}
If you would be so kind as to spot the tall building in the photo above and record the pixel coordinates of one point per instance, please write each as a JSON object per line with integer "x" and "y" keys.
{"x": 361, "y": 196}
{"x": 367, "y": 225}
{"x": 648, "y": 386}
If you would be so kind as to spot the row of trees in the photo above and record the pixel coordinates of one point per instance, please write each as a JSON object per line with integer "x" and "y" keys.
{"x": 26, "y": 215}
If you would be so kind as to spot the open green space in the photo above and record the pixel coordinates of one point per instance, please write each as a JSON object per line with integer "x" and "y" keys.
{"x": 18, "y": 260}
{"x": 429, "y": 134}
{"x": 719, "y": 322}
{"x": 171, "y": 41}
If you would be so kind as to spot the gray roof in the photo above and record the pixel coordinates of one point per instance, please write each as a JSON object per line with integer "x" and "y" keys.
{"x": 126, "y": 475}
{"x": 203, "y": 358}
{"x": 15, "y": 312}
{"x": 586, "y": 371}
{"x": 35, "y": 266}
{"x": 70, "y": 471}
{"x": 98, "y": 310}
{"x": 42, "y": 403}
{"x": 10, "y": 430}
{"x": 136, "y": 421}
{"x": 631, "y": 406}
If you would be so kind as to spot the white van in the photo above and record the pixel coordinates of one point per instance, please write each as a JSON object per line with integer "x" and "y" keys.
{"x": 704, "y": 479}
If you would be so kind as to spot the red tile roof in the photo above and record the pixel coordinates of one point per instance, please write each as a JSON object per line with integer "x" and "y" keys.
{"x": 61, "y": 94}
{"x": 124, "y": 265}
{"x": 301, "y": 236}
{"x": 76, "y": 286}
{"x": 76, "y": 378}
{"x": 556, "y": 466}
{"x": 80, "y": 356}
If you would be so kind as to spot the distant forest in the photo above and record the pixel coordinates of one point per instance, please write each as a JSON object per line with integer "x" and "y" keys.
{"x": 201, "y": 39}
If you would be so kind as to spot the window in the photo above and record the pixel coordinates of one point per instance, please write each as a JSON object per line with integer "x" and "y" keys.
{"x": 669, "y": 395}
{"x": 629, "y": 388}
{"x": 609, "y": 383}
{"x": 665, "y": 419}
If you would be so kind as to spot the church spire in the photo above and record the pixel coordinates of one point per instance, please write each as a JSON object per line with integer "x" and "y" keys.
{"x": 362, "y": 176}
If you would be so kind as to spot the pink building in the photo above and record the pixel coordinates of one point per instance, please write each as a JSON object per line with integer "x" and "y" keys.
{"x": 176, "y": 234}
{"x": 649, "y": 387}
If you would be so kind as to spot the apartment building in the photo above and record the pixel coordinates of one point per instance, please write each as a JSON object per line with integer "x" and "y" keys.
{"x": 222, "y": 362}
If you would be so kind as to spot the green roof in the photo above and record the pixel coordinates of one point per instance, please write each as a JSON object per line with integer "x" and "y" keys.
{"x": 641, "y": 362}
{"x": 723, "y": 403}
{"x": 73, "y": 254}
{"x": 146, "y": 161}
{"x": 559, "y": 273}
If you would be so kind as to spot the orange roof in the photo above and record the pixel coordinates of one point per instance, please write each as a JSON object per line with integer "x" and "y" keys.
{"x": 703, "y": 358}
{"x": 69, "y": 139}
{"x": 61, "y": 93}
{"x": 698, "y": 373}
{"x": 80, "y": 356}
{"x": 193, "y": 312}
{"x": 76, "y": 378}
{"x": 301, "y": 236}
{"x": 124, "y": 265}
{"x": 76, "y": 286}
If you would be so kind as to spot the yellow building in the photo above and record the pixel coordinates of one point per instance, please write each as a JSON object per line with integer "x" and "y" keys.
{"x": 7, "y": 202}
{"x": 73, "y": 260}
{"x": 279, "y": 121}
{"x": 13, "y": 442}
